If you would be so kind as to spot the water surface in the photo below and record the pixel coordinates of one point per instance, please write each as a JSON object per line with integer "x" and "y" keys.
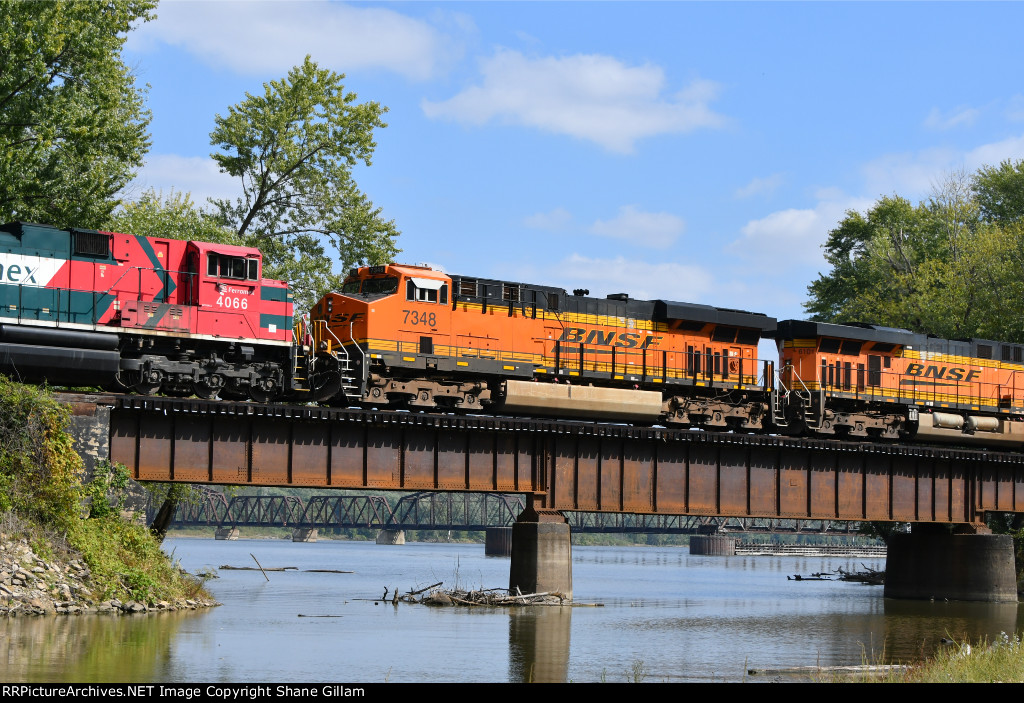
{"x": 655, "y": 613}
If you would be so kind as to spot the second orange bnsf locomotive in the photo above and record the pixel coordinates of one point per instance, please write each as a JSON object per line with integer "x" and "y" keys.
{"x": 871, "y": 381}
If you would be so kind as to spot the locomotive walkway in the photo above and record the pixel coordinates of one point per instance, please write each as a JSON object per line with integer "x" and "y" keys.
{"x": 572, "y": 466}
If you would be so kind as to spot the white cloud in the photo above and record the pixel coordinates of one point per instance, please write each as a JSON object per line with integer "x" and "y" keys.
{"x": 760, "y": 186}
{"x": 789, "y": 238}
{"x": 658, "y": 230}
{"x": 640, "y": 279}
{"x": 992, "y": 154}
{"x": 960, "y": 116}
{"x": 198, "y": 175}
{"x": 913, "y": 175}
{"x": 1015, "y": 108}
{"x": 255, "y": 38}
{"x": 591, "y": 97}
{"x": 909, "y": 175}
{"x": 555, "y": 221}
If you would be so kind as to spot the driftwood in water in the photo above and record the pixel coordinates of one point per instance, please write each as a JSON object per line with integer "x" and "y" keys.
{"x": 487, "y": 597}
{"x": 869, "y": 576}
{"x": 228, "y": 567}
{"x": 328, "y": 571}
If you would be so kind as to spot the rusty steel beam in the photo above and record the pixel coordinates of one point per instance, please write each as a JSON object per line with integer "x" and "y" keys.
{"x": 570, "y": 466}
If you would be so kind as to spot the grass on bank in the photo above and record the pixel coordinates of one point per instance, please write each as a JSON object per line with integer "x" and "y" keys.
{"x": 44, "y": 498}
{"x": 1001, "y": 661}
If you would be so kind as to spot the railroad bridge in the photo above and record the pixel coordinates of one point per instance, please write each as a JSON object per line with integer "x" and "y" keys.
{"x": 449, "y": 511}
{"x": 584, "y": 466}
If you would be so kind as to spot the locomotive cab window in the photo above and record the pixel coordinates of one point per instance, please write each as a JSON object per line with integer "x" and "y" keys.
{"x": 370, "y": 287}
{"x": 380, "y": 286}
{"x": 426, "y": 290}
{"x": 237, "y": 267}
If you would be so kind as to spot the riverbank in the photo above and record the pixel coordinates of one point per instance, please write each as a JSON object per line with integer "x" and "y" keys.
{"x": 33, "y": 585}
{"x": 68, "y": 544}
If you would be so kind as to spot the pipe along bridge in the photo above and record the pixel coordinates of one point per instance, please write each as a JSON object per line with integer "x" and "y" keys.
{"x": 590, "y": 467}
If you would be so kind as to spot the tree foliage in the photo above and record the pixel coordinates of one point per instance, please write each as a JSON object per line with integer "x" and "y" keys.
{"x": 174, "y": 216}
{"x": 951, "y": 266}
{"x": 1000, "y": 192}
{"x": 73, "y": 122}
{"x": 293, "y": 149}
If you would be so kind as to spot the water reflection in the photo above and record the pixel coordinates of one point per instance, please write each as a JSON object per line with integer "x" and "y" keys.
{"x": 88, "y": 648}
{"x": 538, "y": 644}
{"x": 913, "y": 629}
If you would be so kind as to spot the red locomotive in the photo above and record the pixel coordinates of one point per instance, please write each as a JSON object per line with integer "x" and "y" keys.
{"x": 83, "y": 307}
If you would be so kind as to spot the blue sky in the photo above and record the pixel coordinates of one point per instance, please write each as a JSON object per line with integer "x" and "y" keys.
{"x": 688, "y": 151}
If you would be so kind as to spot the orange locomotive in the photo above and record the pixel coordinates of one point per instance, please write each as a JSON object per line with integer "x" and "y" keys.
{"x": 871, "y": 381}
{"x": 410, "y": 336}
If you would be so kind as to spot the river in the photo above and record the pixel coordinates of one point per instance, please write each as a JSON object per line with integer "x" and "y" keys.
{"x": 644, "y": 613}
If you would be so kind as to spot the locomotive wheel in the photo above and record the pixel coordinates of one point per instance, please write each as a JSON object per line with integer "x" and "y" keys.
{"x": 264, "y": 391}
{"x": 262, "y": 396}
{"x": 209, "y": 386}
{"x": 146, "y": 383}
{"x": 206, "y": 391}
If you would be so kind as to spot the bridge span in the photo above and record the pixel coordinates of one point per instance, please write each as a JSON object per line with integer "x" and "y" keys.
{"x": 577, "y": 466}
{"x": 446, "y": 511}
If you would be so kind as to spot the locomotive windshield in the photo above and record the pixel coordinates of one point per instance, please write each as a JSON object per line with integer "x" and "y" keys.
{"x": 223, "y": 266}
{"x": 371, "y": 287}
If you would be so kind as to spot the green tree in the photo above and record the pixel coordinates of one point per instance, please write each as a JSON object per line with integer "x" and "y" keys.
{"x": 1000, "y": 191}
{"x": 73, "y": 122}
{"x": 875, "y": 260}
{"x": 293, "y": 149}
{"x": 175, "y": 216}
{"x": 936, "y": 267}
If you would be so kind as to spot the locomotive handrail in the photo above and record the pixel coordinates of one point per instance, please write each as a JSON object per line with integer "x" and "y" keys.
{"x": 352, "y": 336}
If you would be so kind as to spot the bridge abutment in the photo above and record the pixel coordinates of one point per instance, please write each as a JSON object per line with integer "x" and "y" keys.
{"x": 541, "y": 554}
{"x": 931, "y": 562}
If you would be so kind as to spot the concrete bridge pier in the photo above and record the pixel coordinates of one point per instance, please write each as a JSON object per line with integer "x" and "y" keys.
{"x": 230, "y": 533}
{"x": 938, "y": 562}
{"x": 391, "y": 537}
{"x": 541, "y": 553}
{"x": 498, "y": 542}
{"x": 305, "y": 534}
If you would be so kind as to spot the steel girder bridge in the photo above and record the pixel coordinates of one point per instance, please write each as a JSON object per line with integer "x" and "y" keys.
{"x": 428, "y": 510}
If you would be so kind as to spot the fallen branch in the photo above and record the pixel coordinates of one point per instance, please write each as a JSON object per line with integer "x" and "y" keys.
{"x": 416, "y": 593}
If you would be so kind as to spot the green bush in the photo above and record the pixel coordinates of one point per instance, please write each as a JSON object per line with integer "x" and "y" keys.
{"x": 40, "y": 473}
{"x": 41, "y": 487}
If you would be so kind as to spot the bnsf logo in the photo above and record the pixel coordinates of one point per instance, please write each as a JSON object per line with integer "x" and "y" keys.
{"x": 630, "y": 340}
{"x": 933, "y": 371}
{"x": 340, "y": 318}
